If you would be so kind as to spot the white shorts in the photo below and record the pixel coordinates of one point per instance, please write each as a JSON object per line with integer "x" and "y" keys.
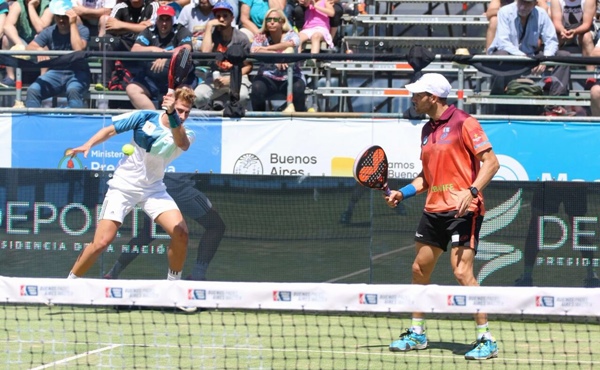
{"x": 309, "y": 32}
{"x": 117, "y": 203}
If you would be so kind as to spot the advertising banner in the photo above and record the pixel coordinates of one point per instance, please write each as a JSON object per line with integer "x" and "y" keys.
{"x": 289, "y": 146}
{"x": 41, "y": 141}
{"x": 317, "y": 147}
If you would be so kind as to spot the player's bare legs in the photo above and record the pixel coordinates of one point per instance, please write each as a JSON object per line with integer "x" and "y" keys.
{"x": 462, "y": 259}
{"x": 414, "y": 338}
{"x": 423, "y": 265}
{"x": 173, "y": 223}
{"x": 105, "y": 234}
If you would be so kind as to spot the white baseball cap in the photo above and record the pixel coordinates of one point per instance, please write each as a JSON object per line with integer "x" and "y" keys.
{"x": 433, "y": 83}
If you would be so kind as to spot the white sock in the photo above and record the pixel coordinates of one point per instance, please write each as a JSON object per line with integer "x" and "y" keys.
{"x": 174, "y": 275}
{"x": 417, "y": 325}
{"x": 483, "y": 331}
{"x": 72, "y": 276}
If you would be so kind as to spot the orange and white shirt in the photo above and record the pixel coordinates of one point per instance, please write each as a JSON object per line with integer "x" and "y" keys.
{"x": 449, "y": 149}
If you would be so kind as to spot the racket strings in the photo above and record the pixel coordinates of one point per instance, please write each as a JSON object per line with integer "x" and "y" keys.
{"x": 374, "y": 168}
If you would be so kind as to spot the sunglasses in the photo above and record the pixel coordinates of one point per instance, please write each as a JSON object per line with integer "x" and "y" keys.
{"x": 276, "y": 20}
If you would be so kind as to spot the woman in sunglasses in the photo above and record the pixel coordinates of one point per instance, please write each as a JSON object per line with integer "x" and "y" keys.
{"x": 277, "y": 36}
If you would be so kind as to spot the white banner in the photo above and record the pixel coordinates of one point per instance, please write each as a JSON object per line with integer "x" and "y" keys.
{"x": 304, "y": 296}
{"x": 317, "y": 147}
{"x": 6, "y": 139}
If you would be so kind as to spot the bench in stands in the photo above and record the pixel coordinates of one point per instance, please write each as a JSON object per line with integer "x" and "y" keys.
{"x": 369, "y": 42}
{"x": 419, "y": 19}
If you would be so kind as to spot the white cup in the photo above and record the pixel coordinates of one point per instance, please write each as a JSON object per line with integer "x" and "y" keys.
{"x": 216, "y": 74}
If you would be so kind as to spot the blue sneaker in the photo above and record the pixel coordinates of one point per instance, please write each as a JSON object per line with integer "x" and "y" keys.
{"x": 409, "y": 341}
{"x": 483, "y": 349}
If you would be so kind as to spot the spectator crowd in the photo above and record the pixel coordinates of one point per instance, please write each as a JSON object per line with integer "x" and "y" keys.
{"x": 518, "y": 27}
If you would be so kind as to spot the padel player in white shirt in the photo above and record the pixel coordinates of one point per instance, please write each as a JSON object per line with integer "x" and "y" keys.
{"x": 158, "y": 138}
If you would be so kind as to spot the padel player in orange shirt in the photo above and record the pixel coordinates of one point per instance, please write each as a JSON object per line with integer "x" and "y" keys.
{"x": 458, "y": 163}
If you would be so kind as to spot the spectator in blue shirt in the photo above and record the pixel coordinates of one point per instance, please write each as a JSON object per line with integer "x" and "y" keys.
{"x": 526, "y": 29}
{"x": 65, "y": 34}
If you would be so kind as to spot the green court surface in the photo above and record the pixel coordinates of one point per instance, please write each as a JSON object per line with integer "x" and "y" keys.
{"x": 68, "y": 337}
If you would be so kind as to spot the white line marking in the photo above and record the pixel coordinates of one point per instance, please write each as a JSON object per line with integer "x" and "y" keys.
{"x": 69, "y": 359}
{"x": 375, "y": 258}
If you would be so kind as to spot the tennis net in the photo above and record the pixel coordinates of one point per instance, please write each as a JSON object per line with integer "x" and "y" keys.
{"x": 147, "y": 324}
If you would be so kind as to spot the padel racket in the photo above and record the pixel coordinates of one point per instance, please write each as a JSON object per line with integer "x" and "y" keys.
{"x": 371, "y": 169}
{"x": 179, "y": 68}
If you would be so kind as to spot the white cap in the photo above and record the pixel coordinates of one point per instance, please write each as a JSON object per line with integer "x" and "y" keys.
{"x": 433, "y": 83}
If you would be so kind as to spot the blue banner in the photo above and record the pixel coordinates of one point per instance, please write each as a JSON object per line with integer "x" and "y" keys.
{"x": 41, "y": 141}
{"x": 545, "y": 151}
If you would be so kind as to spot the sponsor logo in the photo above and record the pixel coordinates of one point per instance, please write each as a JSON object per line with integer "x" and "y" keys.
{"x": 29, "y": 290}
{"x": 366, "y": 298}
{"x": 544, "y": 301}
{"x": 457, "y": 300}
{"x": 425, "y": 139}
{"x": 197, "y": 294}
{"x": 510, "y": 169}
{"x": 248, "y": 164}
{"x": 110, "y": 292}
{"x": 282, "y": 296}
{"x": 418, "y": 235}
{"x": 498, "y": 255}
{"x": 69, "y": 163}
{"x": 445, "y": 133}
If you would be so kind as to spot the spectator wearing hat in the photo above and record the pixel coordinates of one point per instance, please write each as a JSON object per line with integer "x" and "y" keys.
{"x": 218, "y": 37}
{"x": 64, "y": 35}
{"x": 152, "y": 81}
{"x": 194, "y": 17}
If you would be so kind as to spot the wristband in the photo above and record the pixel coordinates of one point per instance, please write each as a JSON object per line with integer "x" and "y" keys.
{"x": 174, "y": 120}
{"x": 408, "y": 191}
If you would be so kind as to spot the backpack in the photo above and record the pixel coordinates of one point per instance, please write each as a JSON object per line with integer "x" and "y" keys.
{"x": 120, "y": 77}
{"x": 524, "y": 87}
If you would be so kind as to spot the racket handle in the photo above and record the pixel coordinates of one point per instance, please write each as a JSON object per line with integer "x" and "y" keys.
{"x": 386, "y": 190}
{"x": 169, "y": 91}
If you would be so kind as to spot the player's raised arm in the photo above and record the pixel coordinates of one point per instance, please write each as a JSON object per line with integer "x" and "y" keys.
{"x": 99, "y": 137}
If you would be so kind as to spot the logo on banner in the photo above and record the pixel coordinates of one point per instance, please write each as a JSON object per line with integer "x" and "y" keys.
{"x": 510, "y": 169}
{"x": 197, "y": 294}
{"x": 282, "y": 296}
{"x": 498, "y": 255}
{"x": 365, "y": 298}
{"x": 342, "y": 166}
{"x": 457, "y": 300}
{"x": 248, "y": 164}
{"x": 29, "y": 290}
{"x": 113, "y": 292}
{"x": 544, "y": 301}
{"x": 69, "y": 163}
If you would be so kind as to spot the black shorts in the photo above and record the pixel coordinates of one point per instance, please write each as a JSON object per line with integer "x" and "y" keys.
{"x": 439, "y": 229}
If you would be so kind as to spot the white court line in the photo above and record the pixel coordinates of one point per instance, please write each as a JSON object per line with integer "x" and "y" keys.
{"x": 375, "y": 258}
{"x": 69, "y": 359}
